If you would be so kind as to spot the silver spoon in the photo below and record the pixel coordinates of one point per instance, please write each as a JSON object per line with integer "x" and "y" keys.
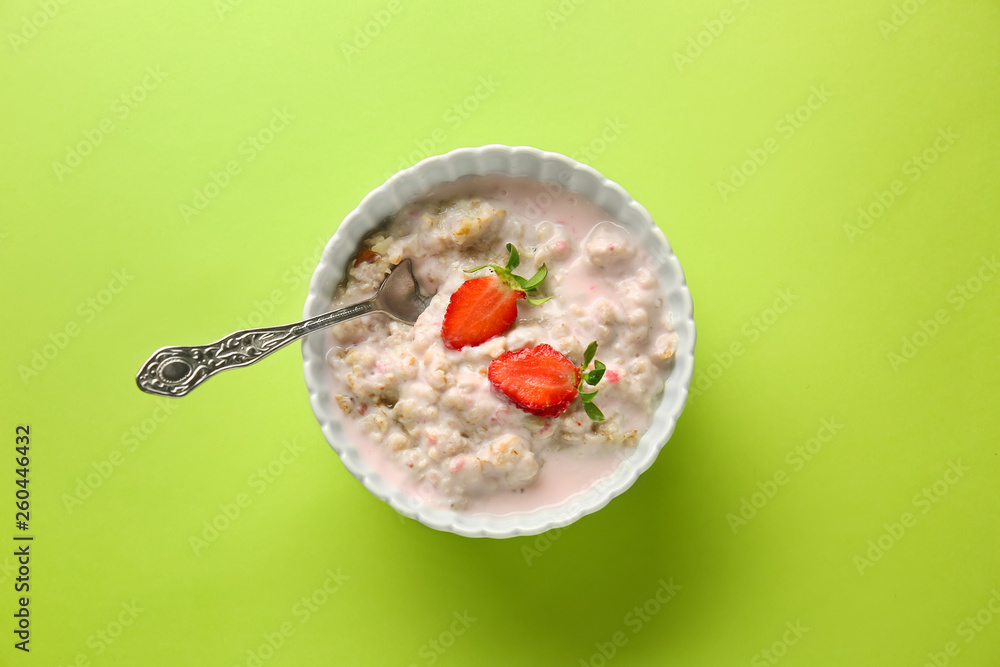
{"x": 176, "y": 370}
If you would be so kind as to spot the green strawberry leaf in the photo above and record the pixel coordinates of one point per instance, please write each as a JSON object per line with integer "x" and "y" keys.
{"x": 515, "y": 257}
{"x": 515, "y": 282}
{"x": 535, "y": 280}
{"x": 591, "y": 378}
{"x": 593, "y": 412}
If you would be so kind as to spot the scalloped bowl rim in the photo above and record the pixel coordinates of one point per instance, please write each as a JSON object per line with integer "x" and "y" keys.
{"x": 517, "y": 161}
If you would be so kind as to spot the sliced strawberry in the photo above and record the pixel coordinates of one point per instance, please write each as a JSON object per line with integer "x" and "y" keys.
{"x": 479, "y": 310}
{"x": 486, "y": 307}
{"x": 539, "y": 380}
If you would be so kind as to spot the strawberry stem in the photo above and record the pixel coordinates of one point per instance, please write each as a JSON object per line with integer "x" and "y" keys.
{"x": 515, "y": 282}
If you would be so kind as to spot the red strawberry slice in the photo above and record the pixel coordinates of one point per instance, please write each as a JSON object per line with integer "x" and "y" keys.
{"x": 539, "y": 380}
{"x": 479, "y": 310}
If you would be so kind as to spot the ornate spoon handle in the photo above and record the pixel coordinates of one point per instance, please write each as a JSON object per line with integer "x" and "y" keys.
{"x": 176, "y": 370}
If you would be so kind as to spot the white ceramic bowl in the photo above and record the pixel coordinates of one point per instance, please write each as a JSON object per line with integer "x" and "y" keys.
{"x": 519, "y": 161}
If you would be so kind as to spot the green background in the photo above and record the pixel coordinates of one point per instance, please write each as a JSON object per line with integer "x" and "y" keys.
{"x": 626, "y": 88}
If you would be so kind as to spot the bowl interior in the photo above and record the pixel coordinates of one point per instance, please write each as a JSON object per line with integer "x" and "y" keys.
{"x": 516, "y": 162}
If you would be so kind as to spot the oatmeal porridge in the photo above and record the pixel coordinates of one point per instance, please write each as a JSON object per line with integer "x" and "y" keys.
{"x": 429, "y": 414}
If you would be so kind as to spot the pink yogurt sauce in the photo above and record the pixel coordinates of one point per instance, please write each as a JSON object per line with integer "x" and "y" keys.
{"x": 564, "y": 474}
